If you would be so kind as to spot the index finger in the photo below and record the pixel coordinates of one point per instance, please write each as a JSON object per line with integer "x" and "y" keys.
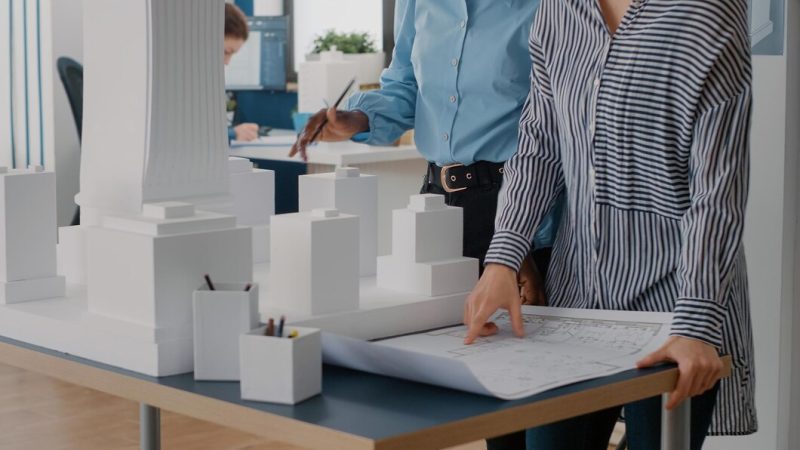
{"x": 515, "y": 311}
{"x": 476, "y": 324}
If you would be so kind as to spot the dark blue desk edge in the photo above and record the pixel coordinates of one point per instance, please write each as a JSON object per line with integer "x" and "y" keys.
{"x": 378, "y": 408}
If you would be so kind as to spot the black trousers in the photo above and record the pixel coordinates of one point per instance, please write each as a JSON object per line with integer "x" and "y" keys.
{"x": 479, "y": 206}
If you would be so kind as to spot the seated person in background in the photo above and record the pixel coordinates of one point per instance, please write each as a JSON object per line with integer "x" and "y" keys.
{"x": 236, "y": 33}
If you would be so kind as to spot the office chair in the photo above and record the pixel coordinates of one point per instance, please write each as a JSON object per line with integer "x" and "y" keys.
{"x": 71, "y": 74}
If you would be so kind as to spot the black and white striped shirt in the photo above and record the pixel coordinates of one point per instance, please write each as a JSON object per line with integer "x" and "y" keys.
{"x": 647, "y": 132}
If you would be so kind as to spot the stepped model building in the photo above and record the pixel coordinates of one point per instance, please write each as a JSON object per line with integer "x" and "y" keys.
{"x": 426, "y": 254}
{"x": 27, "y": 236}
{"x": 351, "y": 192}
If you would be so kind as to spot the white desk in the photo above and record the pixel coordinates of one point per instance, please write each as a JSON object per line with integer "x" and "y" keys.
{"x": 399, "y": 169}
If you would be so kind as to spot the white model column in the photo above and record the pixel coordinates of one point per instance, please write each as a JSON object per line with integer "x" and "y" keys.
{"x": 426, "y": 250}
{"x": 314, "y": 262}
{"x": 154, "y": 106}
{"x": 350, "y": 192}
{"x": 28, "y": 236}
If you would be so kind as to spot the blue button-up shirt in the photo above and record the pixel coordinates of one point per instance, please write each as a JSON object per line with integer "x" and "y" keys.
{"x": 459, "y": 77}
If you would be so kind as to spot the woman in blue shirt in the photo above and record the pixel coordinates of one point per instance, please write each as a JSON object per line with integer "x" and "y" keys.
{"x": 459, "y": 77}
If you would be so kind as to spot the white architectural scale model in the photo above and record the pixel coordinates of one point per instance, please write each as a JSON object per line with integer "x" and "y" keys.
{"x": 163, "y": 205}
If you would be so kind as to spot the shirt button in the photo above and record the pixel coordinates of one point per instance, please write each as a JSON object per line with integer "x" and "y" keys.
{"x": 462, "y": 24}
{"x": 597, "y": 82}
{"x": 452, "y": 99}
{"x": 445, "y": 136}
{"x": 454, "y": 62}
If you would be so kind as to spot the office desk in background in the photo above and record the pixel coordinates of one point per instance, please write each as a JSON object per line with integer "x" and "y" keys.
{"x": 400, "y": 171}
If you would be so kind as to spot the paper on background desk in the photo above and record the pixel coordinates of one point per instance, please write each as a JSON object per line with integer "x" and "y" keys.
{"x": 273, "y": 140}
{"x": 560, "y": 347}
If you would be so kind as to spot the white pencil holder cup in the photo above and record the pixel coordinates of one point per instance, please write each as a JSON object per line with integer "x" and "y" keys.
{"x": 220, "y": 317}
{"x": 281, "y": 369}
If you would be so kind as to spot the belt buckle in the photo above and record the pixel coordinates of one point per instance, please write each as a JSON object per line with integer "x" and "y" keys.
{"x": 443, "y": 178}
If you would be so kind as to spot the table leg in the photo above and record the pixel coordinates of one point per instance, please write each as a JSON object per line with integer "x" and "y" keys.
{"x": 675, "y": 426}
{"x": 149, "y": 427}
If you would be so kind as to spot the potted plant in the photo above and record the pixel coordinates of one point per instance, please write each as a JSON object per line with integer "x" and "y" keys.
{"x": 357, "y": 47}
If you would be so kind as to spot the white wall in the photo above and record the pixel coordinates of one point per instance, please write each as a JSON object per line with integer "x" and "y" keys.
{"x": 67, "y": 41}
{"x": 771, "y": 236}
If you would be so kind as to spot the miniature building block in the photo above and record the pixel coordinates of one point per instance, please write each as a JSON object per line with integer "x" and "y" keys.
{"x": 168, "y": 210}
{"x": 322, "y": 213}
{"x": 426, "y": 254}
{"x": 253, "y": 192}
{"x": 220, "y": 317}
{"x": 431, "y": 279}
{"x": 260, "y": 243}
{"x": 426, "y": 202}
{"x": 28, "y": 237}
{"x": 149, "y": 279}
{"x": 314, "y": 263}
{"x": 71, "y": 251}
{"x": 201, "y": 221}
{"x": 422, "y": 236}
{"x": 281, "y": 370}
{"x": 350, "y": 192}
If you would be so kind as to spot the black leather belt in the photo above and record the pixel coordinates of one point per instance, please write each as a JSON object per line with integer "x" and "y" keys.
{"x": 458, "y": 177}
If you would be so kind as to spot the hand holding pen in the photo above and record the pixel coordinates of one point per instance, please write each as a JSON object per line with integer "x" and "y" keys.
{"x": 330, "y": 125}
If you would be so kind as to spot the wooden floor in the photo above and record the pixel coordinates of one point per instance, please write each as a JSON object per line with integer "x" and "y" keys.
{"x": 37, "y": 412}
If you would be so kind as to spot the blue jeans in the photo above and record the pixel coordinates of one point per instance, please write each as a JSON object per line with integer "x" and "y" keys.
{"x": 643, "y": 427}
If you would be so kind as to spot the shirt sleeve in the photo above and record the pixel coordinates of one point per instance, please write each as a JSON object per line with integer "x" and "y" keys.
{"x": 712, "y": 227}
{"x": 533, "y": 176}
{"x": 231, "y": 134}
{"x": 391, "y": 109}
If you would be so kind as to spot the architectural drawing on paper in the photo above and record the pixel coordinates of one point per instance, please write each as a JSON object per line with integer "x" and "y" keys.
{"x": 561, "y": 346}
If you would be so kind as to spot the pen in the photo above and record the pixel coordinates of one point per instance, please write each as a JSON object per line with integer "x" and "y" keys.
{"x": 270, "y": 331}
{"x": 209, "y": 283}
{"x": 335, "y": 105}
{"x": 280, "y": 326}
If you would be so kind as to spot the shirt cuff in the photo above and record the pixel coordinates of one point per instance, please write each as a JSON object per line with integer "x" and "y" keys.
{"x": 699, "y": 319}
{"x": 361, "y": 137}
{"x": 508, "y": 248}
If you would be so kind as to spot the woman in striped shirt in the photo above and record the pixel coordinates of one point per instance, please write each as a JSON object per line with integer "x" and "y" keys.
{"x": 640, "y": 111}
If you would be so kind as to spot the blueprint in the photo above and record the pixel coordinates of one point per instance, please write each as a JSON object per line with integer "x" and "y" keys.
{"x": 560, "y": 347}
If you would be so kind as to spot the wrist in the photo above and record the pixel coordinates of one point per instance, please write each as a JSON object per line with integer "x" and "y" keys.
{"x": 500, "y": 269}
{"x": 360, "y": 121}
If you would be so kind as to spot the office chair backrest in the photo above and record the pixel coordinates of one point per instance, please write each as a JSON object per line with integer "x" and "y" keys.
{"x": 71, "y": 74}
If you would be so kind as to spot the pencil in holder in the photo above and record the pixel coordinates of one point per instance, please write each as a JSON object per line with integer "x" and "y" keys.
{"x": 220, "y": 317}
{"x": 284, "y": 369}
